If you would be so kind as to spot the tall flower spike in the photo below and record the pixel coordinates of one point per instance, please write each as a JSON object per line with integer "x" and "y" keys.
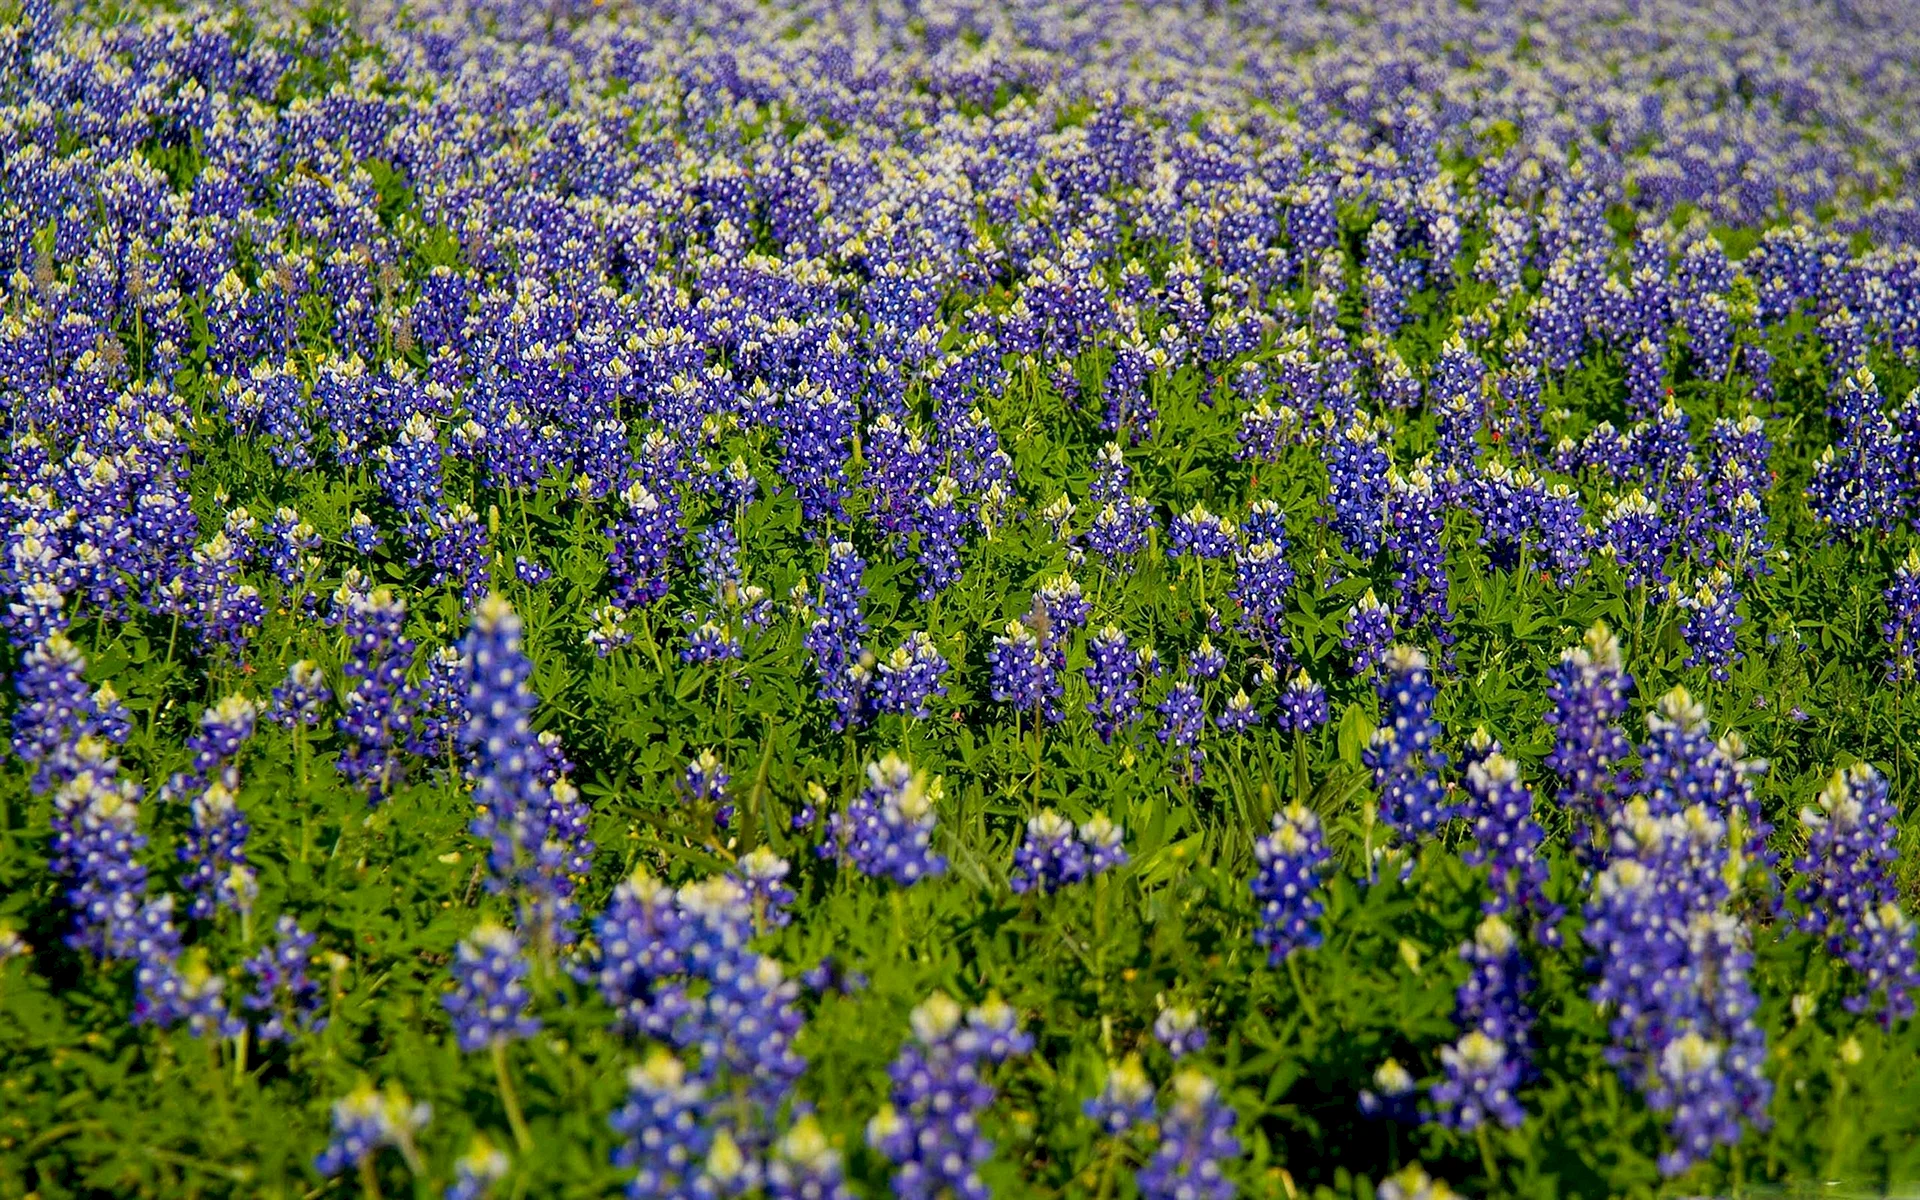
{"x": 1850, "y": 894}
{"x": 1287, "y": 886}
{"x": 534, "y": 823}
{"x": 1405, "y": 762}
{"x": 1125, "y": 1101}
{"x": 490, "y": 1000}
{"x": 887, "y": 830}
{"x": 1051, "y": 857}
{"x": 1589, "y": 687}
{"x": 365, "y": 1120}
{"x": 1507, "y": 840}
{"x": 1196, "y": 1139}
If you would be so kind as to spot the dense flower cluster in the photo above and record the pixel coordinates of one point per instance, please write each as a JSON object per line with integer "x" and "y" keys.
{"x": 1404, "y": 756}
{"x": 887, "y": 830}
{"x": 930, "y": 1125}
{"x": 1287, "y": 887}
{"x": 1850, "y": 894}
{"x": 1333, "y": 349}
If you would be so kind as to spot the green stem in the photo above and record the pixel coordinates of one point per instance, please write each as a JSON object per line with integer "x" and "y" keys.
{"x": 1486, "y": 1156}
{"x": 521, "y": 1137}
{"x": 369, "y": 1178}
{"x": 1300, "y": 990}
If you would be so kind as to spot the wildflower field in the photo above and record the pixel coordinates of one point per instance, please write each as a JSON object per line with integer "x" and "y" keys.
{"x": 946, "y": 598}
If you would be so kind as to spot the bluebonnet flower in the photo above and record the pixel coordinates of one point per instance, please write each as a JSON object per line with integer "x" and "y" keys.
{"x": 1367, "y": 634}
{"x": 1287, "y": 886}
{"x": 1486, "y": 1065}
{"x": 1050, "y": 857}
{"x": 1239, "y": 715}
{"x": 366, "y": 1121}
{"x": 1261, "y": 581}
{"x": 1196, "y": 1138}
{"x": 442, "y": 707}
{"x": 703, "y": 787}
{"x": 285, "y": 1001}
{"x": 215, "y": 850}
{"x": 607, "y": 630}
{"x": 763, "y": 874}
{"x": 711, "y": 643}
{"x": 1357, "y": 468}
{"x": 1392, "y": 1096}
{"x": 377, "y": 713}
{"x": 805, "y": 1166}
{"x": 297, "y": 703}
{"x": 1066, "y": 607}
{"x": 1206, "y": 662}
{"x": 476, "y": 1171}
{"x": 1589, "y": 688}
{"x": 1199, "y": 534}
{"x": 1413, "y": 1183}
{"x": 646, "y": 545}
{"x": 531, "y": 572}
{"x": 1674, "y": 968}
{"x": 1902, "y": 628}
{"x": 1023, "y": 674}
{"x": 664, "y": 1129}
{"x": 1710, "y": 624}
{"x": 1403, "y": 756}
{"x": 490, "y": 999}
{"x": 1856, "y": 483}
{"x": 910, "y": 677}
{"x": 1638, "y": 539}
{"x": 1113, "y": 675}
{"x": 1178, "y": 1028}
{"x": 1507, "y": 840}
{"x": 1303, "y": 705}
{"x": 887, "y": 830}
{"x": 942, "y": 529}
{"x": 677, "y": 967}
{"x": 1851, "y": 896}
{"x": 96, "y": 846}
{"x": 1416, "y": 519}
{"x": 532, "y": 820}
{"x": 1183, "y": 719}
{"x": 362, "y": 534}
{"x": 930, "y": 1126}
{"x": 1104, "y": 842}
{"x": 1125, "y": 1101}
{"x": 837, "y": 635}
{"x": 57, "y": 710}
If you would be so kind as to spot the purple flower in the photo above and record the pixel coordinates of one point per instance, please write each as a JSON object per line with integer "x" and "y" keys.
{"x": 1367, "y": 634}
{"x": 910, "y": 677}
{"x": 364, "y": 1121}
{"x": 930, "y": 1126}
{"x": 1485, "y": 1067}
{"x": 1403, "y": 756}
{"x": 1113, "y": 675}
{"x": 1902, "y": 628}
{"x": 1287, "y": 886}
{"x": 1303, "y": 705}
{"x": 1023, "y": 674}
{"x": 1125, "y": 1101}
{"x": 887, "y": 830}
{"x": 1196, "y": 1138}
{"x": 1507, "y": 840}
{"x": 1178, "y": 1028}
{"x": 1589, "y": 687}
{"x": 1051, "y": 857}
{"x": 1710, "y": 624}
{"x": 1851, "y": 896}
{"x": 490, "y": 999}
